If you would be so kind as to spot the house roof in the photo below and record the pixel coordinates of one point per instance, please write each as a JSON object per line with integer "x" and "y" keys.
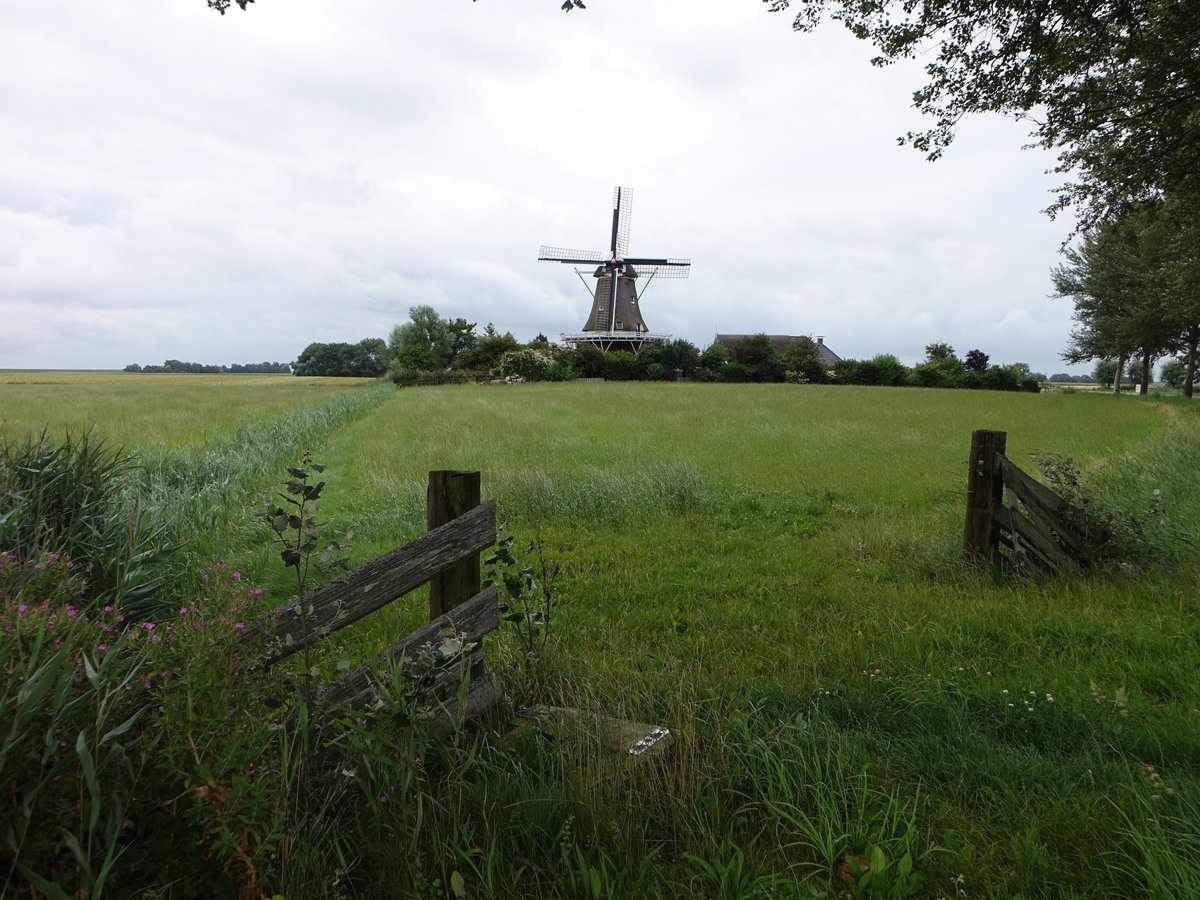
{"x": 780, "y": 343}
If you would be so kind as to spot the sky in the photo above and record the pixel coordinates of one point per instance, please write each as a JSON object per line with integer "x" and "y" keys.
{"x": 177, "y": 184}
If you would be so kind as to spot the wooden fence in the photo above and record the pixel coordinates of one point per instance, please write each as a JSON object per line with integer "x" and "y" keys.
{"x": 440, "y": 653}
{"x": 1038, "y": 532}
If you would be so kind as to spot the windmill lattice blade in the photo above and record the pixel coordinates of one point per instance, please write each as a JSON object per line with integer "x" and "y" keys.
{"x": 664, "y": 271}
{"x": 576, "y": 257}
{"x": 622, "y": 210}
{"x": 662, "y": 268}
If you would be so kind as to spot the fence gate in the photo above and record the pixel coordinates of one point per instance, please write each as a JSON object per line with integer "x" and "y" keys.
{"x": 1038, "y": 532}
{"x": 447, "y": 556}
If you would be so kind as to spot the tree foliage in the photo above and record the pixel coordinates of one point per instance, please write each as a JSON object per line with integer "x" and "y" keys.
{"x": 1136, "y": 288}
{"x": 1113, "y": 85}
{"x": 366, "y": 359}
{"x": 222, "y": 5}
{"x": 975, "y": 361}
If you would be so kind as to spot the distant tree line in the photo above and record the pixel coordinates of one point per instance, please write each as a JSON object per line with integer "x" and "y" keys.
{"x": 431, "y": 349}
{"x": 175, "y": 365}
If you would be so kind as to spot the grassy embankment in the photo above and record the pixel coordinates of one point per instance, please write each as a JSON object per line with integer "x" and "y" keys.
{"x": 773, "y": 572}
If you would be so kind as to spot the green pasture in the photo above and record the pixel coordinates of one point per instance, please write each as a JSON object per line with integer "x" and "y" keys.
{"x": 152, "y": 412}
{"x": 773, "y": 572}
{"x": 791, "y": 555}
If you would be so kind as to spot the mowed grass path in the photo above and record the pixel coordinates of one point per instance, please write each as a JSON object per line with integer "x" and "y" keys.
{"x": 149, "y": 412}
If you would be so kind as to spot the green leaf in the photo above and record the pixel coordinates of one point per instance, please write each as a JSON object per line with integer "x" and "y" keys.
{"x": 121, "y": 729}
{"x": 290, "y": 557}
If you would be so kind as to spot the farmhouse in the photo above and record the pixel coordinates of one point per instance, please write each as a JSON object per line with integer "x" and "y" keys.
{"x": 780, "y": 343}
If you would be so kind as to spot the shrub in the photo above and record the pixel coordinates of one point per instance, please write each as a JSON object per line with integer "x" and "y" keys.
{"x": 530, "y": 364}
{"x": 620, "y": 365}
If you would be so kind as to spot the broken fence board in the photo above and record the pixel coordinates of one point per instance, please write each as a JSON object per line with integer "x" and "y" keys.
{"x": 1030, "y": 537}
{"x": 347, "y": 598}
{"x": 468, "y": 621}
{"x": 1070, "y": 523}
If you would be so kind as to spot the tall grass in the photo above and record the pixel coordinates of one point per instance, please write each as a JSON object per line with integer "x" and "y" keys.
{"x": 212, "y": 493}
{"x": 73, "y": 499}
{"x": 151, "y": 413}
{"x": 771, "y": 572}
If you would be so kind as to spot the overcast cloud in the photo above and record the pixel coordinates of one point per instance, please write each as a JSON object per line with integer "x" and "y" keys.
{"x": 178, "y": 184}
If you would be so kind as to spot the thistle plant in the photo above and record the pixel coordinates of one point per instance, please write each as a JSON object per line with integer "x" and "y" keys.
{"x": 297, "y": 529}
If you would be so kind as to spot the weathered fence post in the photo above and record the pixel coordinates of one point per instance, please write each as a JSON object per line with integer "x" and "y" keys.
{"x": 985, "y": 495}
{"x": 450, "y": 495}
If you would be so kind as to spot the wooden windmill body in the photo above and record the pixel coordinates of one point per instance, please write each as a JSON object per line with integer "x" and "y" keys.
{"x": 615, "y": 321}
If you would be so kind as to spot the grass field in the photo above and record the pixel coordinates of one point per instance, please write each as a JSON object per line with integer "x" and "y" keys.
{"x": 772, "y": 572}
{"x": 151, "y": 412}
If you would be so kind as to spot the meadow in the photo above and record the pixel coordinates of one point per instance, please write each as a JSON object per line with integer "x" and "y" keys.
{"x": 771, "y": 571}
{"x": 150, "y": 412}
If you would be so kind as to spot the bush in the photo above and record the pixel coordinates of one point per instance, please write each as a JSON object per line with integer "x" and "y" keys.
{"x": 736, "y": 373}
{"x": 620, "y": 365}
{"x": 882, "y": 370}
{"x": 943, "y": 373}
{"x": 530, "y": 364}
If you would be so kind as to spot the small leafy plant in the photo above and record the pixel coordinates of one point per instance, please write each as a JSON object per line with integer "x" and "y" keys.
{"x": 530, "y": 589}
{"x": 297, "y": 528}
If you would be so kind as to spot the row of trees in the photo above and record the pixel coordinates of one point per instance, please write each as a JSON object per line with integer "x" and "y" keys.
{"x": 1135, "y": 281}
{"x": 175, "y": 366}
{"x": 430, "y": 348}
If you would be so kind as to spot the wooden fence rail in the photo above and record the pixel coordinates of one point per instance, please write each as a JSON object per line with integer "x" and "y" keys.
{"x": 447, "y": 556}
{"x": 1038, "y": 532}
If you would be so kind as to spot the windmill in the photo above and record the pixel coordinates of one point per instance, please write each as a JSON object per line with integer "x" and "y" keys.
{"x": 615, "y": 322}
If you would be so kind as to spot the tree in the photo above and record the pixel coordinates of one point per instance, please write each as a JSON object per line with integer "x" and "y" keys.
{"x": 937, "y": 352}
{"x": 1180, "y": 277}
{"x": 1173, "y": 373}
{"x": 1114, "y": 277}
{"x": 803, "y": 358}
{"x": 1105, "y": 373}
{"x": 423, "y": 343}
{"x": 486, "y": 353}
{"x": 462, "y": 339}
{"x": 975, "y": 361}
{"x": 759, "y": 357}
{"x": 1113, "y": 85}
{"x": 362, "y": 360}
{"x": 713, "y": 359}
